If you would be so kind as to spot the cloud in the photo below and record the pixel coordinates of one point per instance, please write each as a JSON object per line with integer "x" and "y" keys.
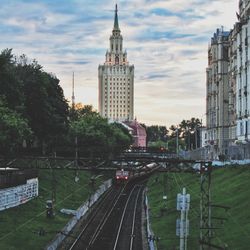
{"x": 72, "y": 62}
{"x": 166, "y": 41}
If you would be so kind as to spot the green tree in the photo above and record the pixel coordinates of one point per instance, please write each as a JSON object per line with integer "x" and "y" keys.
{"x": 13, "y": 130}
{"x": 96, "y": 137}
{"x": 34, "y": 95}
{"x": 156, "y": 133}
{"x": 190, "y": 131}
{"x": 11, "y": 87}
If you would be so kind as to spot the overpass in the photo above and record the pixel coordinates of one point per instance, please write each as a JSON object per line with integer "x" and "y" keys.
{"x": 131, "y": 161}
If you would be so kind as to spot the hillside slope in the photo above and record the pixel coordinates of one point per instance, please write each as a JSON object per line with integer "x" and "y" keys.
{"x": 20, "y": 226}
{"x": 230, "y": 187}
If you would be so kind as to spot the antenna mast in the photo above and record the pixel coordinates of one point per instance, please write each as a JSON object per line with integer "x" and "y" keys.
{"x": 73, "y": 91}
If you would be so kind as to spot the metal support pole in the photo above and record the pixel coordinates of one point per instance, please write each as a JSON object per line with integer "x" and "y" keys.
{"x": 196, "y": 138}
{"x": 182, "y": 224}
{"x": 205, "y": 206}
{"x": 52, "y": 165}
{"x": 177, "y": 141}
{"x": 186, "y": 228}
{"x": 183, "y": 212}
{"x": 76, "y": 160}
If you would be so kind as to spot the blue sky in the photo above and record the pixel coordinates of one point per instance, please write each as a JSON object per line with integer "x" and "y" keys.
{"x": 166, "y": 40}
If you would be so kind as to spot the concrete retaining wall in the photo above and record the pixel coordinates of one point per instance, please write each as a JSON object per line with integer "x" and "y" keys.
{"x": 81, "y": 211}
{"x": 150, "y": 234}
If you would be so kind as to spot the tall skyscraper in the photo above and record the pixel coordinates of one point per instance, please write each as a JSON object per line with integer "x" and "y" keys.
{"x": 116, "y": 80}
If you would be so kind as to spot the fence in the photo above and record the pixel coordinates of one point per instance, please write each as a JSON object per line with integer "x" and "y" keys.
{"x": 234, "y": 152}
{"x": 150, "y": 233}
{"x": 79, "y": 214}
{"x": 15, "y": 196}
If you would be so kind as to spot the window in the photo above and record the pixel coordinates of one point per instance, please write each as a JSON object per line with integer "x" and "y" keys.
{"x": 117, "y": 60}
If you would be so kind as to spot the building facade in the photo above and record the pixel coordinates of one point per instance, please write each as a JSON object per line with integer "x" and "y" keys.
{"x": 232, "y": 74}
{"x": 243, "y": 72}
{"x": 228, "y": 89}
{"x": 138, "y": 132}
{"x": 218, "y": 94}
{"x": 116, "y": 80}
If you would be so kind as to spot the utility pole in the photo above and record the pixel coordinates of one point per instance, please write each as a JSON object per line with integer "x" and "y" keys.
{"x": 53, "y": 163}
{"x": 196, "y": 138}
{"x": 73, "y": 92}
{"x": 76, "y": 139}
{"x": 206, "y": 226}
{"x": 182, "y": 225}
{"x": 76, "y": 159}
{"x": 205, "y": 206}
{"x": 177, "y": 141}
{"x": 165, "y": 190}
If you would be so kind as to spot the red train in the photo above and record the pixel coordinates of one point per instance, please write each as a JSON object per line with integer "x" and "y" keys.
{"x": 121, "y": 175}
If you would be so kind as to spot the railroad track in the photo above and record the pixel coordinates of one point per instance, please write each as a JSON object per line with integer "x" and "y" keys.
{"x": 128, "y": 235}
{"x": 116, "y": 223}
{"x": 97, "y": 218}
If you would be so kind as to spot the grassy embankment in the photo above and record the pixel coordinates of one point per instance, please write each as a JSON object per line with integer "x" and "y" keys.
{"x": 19, "y": 226}
{"x": 230, "y": 187}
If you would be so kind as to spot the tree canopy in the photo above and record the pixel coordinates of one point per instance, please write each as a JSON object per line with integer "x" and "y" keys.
{"x": 188, "y": 132}
{"x": 14, "y": 129}
{"x": 95, "y": 136}
{"x": 34, "y": 95}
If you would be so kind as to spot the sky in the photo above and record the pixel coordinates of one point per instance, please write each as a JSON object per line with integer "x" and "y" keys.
{"x": 166, "y": 40}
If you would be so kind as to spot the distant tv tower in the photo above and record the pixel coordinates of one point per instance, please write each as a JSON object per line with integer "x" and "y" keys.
{"x": 73, "y": 91}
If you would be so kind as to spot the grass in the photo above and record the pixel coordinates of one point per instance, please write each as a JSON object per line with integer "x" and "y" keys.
{"x": 230, "y": 187}
{"x": 19, "y": 226}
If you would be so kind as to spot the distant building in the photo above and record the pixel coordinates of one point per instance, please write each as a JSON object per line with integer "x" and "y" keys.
{"x": 228, "y": 89}
{"x": 138, "y": 132}
{"x": 116, "y": 80}
{"x": 218, "y": 94}
{"x": 232, "y": 74}
{"x": 203, "y": 137}
{"x": 242, "y": 29}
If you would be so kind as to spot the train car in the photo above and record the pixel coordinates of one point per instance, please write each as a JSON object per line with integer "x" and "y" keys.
{"x": 121, "y": 176}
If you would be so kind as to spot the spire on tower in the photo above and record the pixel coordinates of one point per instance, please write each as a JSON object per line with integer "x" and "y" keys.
{"x": 116, "y": 24}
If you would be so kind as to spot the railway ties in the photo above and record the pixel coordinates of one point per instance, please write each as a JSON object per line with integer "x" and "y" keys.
{"x": 128, "y": 235}
{"x": 117, "y": 228}
{"x": 89, "y": 229}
